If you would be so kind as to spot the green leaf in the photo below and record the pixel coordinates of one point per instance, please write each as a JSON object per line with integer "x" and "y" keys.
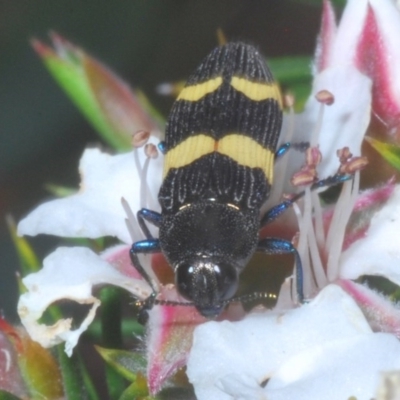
{"x": 111, "y": 318}
{"x": 137, "y": 390}
{"x": 177, "y": 393}
{"x": 60, "y": 191}
{"x": 318, "y": 3}
{"x": 129, "y": 364}
{"x": 390, "y": 152}
{"x": 287, "y": 69}
{"x": 129, "y": 327}
{"x": 76, "y": 381}
{"x": 27, "y": 257}
{"x": 294, "y": 76}
{"x": 8, "y": 396}
{"x": 73, "y": 81}
{"x": 39, "y": 370}
{"x": 115, "y": 111}
{"x": 116, "y": 383}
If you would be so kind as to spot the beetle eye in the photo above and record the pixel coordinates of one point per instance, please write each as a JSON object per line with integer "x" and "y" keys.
{"x": 207, "y": 284}
{"x": 227, "y": 280}
{"x": 183, "y": 277}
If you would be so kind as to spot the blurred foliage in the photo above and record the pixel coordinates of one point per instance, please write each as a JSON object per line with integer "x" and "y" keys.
{"x": 317, "y": 3}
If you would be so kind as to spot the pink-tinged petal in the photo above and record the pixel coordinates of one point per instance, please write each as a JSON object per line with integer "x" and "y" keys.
{"x": 378, "y": 253}
{"x": 367, "y": 204}
{"x": 326, "y": 37}
{"x": 378, "y": 56}
{"x": 365, "y": 207}
{"x": 118, "y": 257}
{"x": 66, "y": 50}
{"x": 10, "y": 376}
{"x": 42, "y": 49}
{"x": 380, "y": 312}
{"x": 170, "y": 331}
{"x": 348, "y": 33}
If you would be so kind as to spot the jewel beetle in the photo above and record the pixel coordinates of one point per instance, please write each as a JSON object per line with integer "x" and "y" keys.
{"x": 220, "y": 145}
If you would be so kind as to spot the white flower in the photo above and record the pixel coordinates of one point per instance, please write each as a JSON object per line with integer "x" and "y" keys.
{"x": 323, "y": 350}
{"x": 69, "y": 273}
{"x": 95, "y": 211}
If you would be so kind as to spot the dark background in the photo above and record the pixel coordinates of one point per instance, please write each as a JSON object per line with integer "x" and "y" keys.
{"x": 146, "y": 42}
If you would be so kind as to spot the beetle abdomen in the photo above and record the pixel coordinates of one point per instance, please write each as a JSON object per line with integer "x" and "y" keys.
{"x": 222, "y": 132}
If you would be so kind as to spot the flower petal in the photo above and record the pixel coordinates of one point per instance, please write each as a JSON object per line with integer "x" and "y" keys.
{"x": 170, "y": 331}
{"x": 382, "y": 314}
{"x": 378, "y": 56}
{"x": 265, "y": 342}
{"x": 354, "y": 362}
{"x": 10, "y": 374}
{"x": 96, "y": 210}
{"x": 326, "y": 37}
{"x": 118, "y": 257}
{"x": 366, "y": 205}
{"x": 379, "y": 252}
{"x": 344, "y": 122}
{"x": 69, "y": 273}
{"x": 348, "y": 33}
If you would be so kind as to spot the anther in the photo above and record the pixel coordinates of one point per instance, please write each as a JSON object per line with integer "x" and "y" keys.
{"x": 289, "y": 100}
{"x": 353, "y": 165}
{"x": 325, "y": 97}
{"x": 140, "y": 138}
{"x": 306, "y": 176}
{"x": 313, "y": 156}
{"x": 344, "y": 155}
{"x": 151, "y": 151}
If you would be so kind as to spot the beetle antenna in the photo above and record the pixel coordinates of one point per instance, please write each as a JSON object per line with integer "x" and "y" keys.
{"x": 246, "y": 298}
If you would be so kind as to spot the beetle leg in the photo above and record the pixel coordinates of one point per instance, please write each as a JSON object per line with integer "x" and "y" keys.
{"x": 285, "y": 147}
{"x": 282, "y": 246}
{"x": 153, "y": 217}
{"x": 282, "y": 150}
{"x": 273, "y": 213}
{"x": 162, "y": 147}
{"x": 149, "y": 246}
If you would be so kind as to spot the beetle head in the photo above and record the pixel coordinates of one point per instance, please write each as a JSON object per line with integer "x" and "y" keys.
{"x": 208, "y": 283}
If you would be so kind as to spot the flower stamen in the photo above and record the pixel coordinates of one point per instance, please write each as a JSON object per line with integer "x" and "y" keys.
{"x": 325, "y": 98}
{"x": 131, "y": 222}
{"x": 146, "y": 200}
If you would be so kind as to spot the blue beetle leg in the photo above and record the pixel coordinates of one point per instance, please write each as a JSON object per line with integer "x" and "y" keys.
{"x": 149, "y": 246}
{"x": 285, "y": 147}
{"x": 273, "y": 213}
{"x": 282, "y": 246}
{"x": 282, "y": 150}
{"x": 145, "y": 247}
{"x": 162, "y": 147}
{"x": 153, "y": 217}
